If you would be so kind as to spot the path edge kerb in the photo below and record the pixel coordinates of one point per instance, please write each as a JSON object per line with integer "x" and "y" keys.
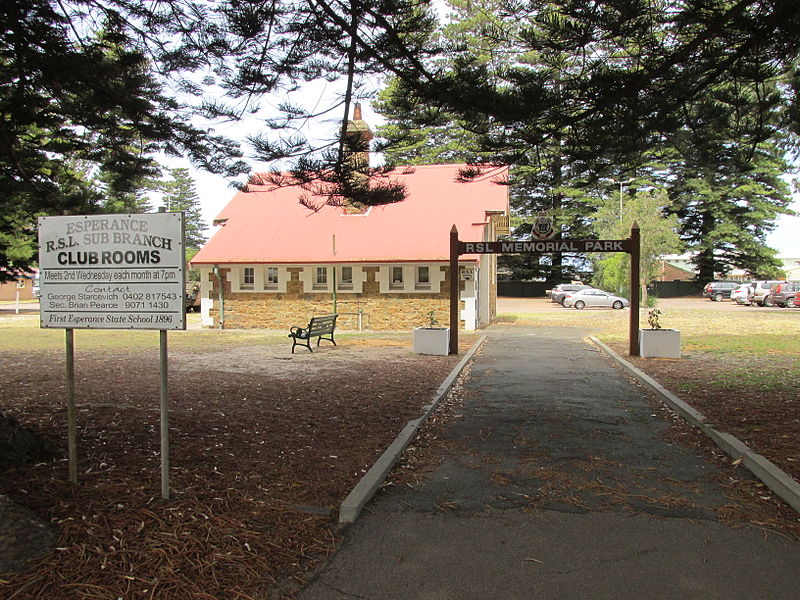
{"x": 365, "y": 489}
{"x": 781, "y": 483}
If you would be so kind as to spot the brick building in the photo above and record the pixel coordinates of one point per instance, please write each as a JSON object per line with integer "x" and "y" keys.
{"x": 274, "y": 263}
{"x": 669, "y": 271}
{"x": 22, "y": 288}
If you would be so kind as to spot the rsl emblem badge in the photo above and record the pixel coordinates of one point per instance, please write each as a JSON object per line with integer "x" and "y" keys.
{"x": 542, "y": 227}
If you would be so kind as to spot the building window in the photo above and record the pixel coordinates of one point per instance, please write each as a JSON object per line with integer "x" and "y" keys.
{"x": 321, "y": 278}
{"x": 346, "y": 278}
{"x": 423, "y": 281}
{"x": 248, "y": 278}
{"x": 271, "y": 280}
{"x": 396, "y": 281}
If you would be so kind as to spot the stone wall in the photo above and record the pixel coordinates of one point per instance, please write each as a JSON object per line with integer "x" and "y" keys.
{"x": 369, "y": 310}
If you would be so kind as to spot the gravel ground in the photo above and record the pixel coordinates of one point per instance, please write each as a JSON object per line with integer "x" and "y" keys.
{"x": 263, "y": 446}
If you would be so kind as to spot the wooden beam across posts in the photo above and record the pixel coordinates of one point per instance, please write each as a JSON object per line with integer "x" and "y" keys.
{"x": 636, "y": 292}
{"x": 454, "y": 290}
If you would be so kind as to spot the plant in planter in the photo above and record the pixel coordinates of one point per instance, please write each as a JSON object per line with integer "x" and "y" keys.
{"x": 658, "y": 342}
{"x": 432, "y": 339}
{"x": 433, "y": 322}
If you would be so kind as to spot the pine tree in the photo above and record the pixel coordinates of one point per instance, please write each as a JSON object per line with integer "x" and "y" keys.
{"x": 79, "y": 111}
{"x": 132, "y": 197}
{"x": 727, "y": 188}
{"x": 69, "y": 97}
{"x": 544, "y": 86}
{"x": 540, "y": 179}
{"x": 180, "y": 195}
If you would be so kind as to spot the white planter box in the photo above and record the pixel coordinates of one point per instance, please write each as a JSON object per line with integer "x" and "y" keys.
{"x": 660, "y": 343}
{"x": 432, "y": 340}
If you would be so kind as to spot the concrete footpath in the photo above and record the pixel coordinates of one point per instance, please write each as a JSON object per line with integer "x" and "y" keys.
{"x": 556, "y": 484}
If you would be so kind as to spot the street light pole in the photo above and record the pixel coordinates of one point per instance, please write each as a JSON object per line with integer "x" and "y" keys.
{"x": 621, "y": 183}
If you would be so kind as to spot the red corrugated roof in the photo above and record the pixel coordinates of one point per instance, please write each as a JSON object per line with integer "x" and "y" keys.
{"x": 270, "y": 225}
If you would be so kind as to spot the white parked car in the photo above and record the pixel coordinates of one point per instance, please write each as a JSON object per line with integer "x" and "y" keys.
{"x": 592, "y": 297}
{"x": 743, "y": 294}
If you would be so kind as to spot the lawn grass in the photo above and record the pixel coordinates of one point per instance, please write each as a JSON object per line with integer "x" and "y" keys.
{"x": 23, "y": 333}
{"x": 759, "y": 348}
{"x": 767, "y": 342}
{"x": 758, "y": 332}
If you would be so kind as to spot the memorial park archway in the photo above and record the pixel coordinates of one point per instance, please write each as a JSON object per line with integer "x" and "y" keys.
{"x": 630, "y": 245}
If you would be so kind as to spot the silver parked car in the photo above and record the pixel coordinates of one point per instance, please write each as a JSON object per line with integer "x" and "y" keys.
{"x": 562, "y": 289}
{"x": 761, "y": 292}
{"x": 592, "y": 297}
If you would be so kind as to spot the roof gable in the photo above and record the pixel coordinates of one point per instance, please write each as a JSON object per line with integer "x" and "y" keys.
{"x": 269, "y": 225}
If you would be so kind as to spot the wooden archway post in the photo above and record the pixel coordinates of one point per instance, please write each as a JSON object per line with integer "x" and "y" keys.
{"x": 454, "y": 285}
{"x": 633, "y": 326}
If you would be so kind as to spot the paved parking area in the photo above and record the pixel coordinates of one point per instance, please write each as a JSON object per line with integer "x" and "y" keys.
{"x": 517, "y": 305}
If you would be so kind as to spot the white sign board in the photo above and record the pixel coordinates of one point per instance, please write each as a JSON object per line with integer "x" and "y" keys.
{"x": 112, "y": 271}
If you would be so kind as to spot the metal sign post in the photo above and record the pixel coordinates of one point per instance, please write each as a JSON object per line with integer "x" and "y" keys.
{"x": 72, "y": 433}
{"x": 164, "y": 406}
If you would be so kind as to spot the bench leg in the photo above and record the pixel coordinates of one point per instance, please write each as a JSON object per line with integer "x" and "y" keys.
{"x": 307, "y": 344}
{"x": 327, "y": 339}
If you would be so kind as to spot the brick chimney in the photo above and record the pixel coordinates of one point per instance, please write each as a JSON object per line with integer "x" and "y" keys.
{"x": 359, "y": 136}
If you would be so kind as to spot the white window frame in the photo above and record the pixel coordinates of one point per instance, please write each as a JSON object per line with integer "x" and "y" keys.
{"x": 245, "y": 274}
{"x": 396, "y": 284}
{"x": 436, "y": 275}
{"x": 316, "y": 283}
{"x": 272, "y": 285}
{"x": 422, "y": 283}
{"x": 341, "y": 283}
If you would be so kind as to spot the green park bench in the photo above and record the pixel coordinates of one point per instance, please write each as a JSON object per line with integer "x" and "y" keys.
{"x": 318, "y": 327}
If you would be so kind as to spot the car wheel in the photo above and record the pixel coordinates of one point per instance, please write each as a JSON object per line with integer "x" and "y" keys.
{"x": 580, "y": 304}
{"x": 767, "y": 301}
{"x": 617, "y": 305}
{"x": 717, "y": 297}
{"x": 563, "y": 303}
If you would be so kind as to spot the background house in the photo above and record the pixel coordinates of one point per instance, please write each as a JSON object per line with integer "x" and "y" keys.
{"x": 791, "y": 266}
{"x": 274, "y": 263}
{"x": 22, "y": 288}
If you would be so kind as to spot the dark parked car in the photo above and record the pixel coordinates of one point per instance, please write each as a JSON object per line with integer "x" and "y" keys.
{"x": 557, "y": 294}
{"x": 719, "y": 290}
{"x": 783, "y": 293}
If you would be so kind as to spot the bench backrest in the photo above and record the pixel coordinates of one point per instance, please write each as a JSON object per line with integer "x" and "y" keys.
{"x": 322, "y": 325}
